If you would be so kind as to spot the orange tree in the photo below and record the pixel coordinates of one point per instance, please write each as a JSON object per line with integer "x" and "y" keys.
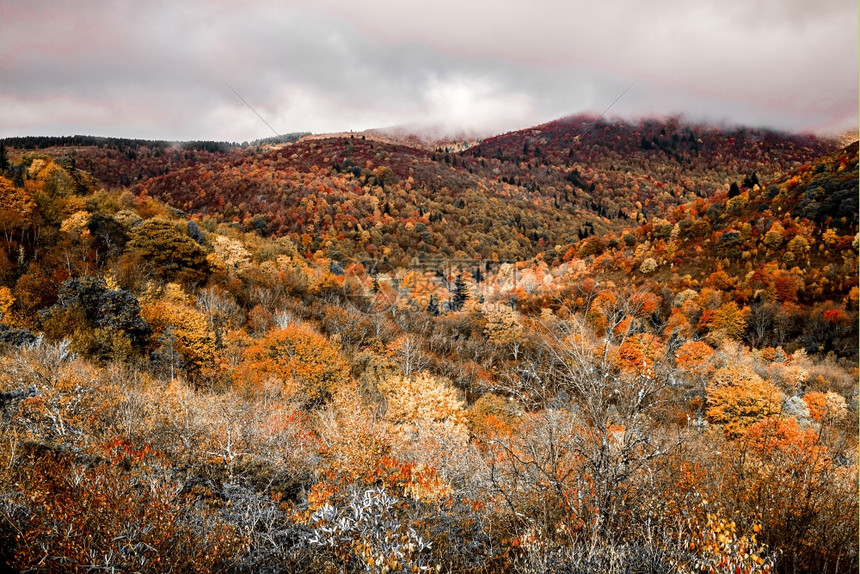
{"x": 301, "y": 358}
{"x": 737, "y": 397}
{"x": 181, "y": 335}
{"x": 787, "y": 477}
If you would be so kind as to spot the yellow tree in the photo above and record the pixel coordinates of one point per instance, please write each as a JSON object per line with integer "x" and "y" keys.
{"x": 738, "y": 397}
{"x": 6, "y": 301}
{"x": 182, "y": 335}
{"x": 503, "y": 329}
{"x": 422, "y": 398}
{"x": 729, "y": 322}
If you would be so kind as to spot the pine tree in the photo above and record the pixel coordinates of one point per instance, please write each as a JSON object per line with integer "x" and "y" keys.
{"x": 433, "y": 306}
{"x": 460, "y": 294}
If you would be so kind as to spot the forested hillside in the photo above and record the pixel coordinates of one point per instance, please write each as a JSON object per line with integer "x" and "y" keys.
{"x": 574, "y": 348}
{"x": 509, "y": 197}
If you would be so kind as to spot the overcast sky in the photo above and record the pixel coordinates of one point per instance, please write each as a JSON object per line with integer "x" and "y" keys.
{"x": 160, "y": 69}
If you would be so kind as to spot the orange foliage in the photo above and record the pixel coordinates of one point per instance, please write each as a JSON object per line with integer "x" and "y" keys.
{"x": 678, "y": 324}
{"x": 729, "y": 321}
{"x": 305, "y": 361}
{"x": 184, "y": 328}
{"x": 738, "y": 397}
{"x": 825, "y": 407}
{"x": 639, "y": 353}
{"x": 693, "y": 356}
{"x": 81, "y": 516}
{"x": 644, "y": 302}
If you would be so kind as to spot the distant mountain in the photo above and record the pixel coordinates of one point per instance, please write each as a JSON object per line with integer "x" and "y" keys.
{"x": 385, "y": 193}
{"x": 426, "y": 137}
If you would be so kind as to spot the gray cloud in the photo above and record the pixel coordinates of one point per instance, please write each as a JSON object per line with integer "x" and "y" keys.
{"x": 158, "y": 70}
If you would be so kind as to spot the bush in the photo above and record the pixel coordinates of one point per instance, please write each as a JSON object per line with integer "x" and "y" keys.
{"x": 737, "y": 397}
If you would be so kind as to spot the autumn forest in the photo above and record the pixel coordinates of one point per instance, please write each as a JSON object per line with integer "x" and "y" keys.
{"x": 587, "y": 346}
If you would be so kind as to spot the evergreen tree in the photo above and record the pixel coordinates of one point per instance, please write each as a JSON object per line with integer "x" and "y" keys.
{"x": 433, "y": 306}
{"x": 734, "y": 190}
{"x": 460, "y": 294}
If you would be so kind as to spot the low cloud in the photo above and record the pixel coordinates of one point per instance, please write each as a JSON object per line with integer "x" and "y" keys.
{"x": 159, "y": 69}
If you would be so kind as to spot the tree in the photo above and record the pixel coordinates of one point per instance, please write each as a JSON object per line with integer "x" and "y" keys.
{"x": 6, "y": 301}
{"x": 181, "y": 334}
{"x": 422, "y": 398}
{"x": 826, "y": 408}
{"x": 433, "y": 306}
{"x": 34, "y": 290}
{"x": 774, "y": 236}
{"x": 594, "y": 432}
{"x": 811, "y": 501}
{"x": 693, "y": 356}
{"x": 460, "y": 294}
{"x": 221, "y": 310}
{"x": 503, "y": 330}
{"x": 108, "y": 235}
{"x": 734, "y": 190}
{"x": 100, "y": 321}
{"x": 729, "y": 321}
{"x": 168, "y": 252}
{"x": 409, "y": 350}
{"x": 307, "y": 364}
{"x": 737, "y": 397}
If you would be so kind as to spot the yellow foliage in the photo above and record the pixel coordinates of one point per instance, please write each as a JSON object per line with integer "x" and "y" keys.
{"x": 501, "y": 327}
{"x": 6, "y": 301}
{"x": 775, "y": 235}
{"x": 422, "y": 397}
{"x": 192, "y": 338}
{"x": 55, "y": 180}
{"x": 729, "y": 322}
{"x": 719, "y": 546}
{"x": 175, "y": 293}
{"x": 75, "y": 223}
{"x": 492, "y": 414}
{"x": 355, "y": 438}
{"x": 423, "y": 402}
{"x": 16, "y": 200}
{"x": 738, "y": 397}
{"x": 600, "y": 308}
{"x": 230, "y": 253}
{"x": 111, "y": 283}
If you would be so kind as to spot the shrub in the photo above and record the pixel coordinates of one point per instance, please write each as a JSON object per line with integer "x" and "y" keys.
{"x": 738, "y": 397}
{"x": 305, "y": 361}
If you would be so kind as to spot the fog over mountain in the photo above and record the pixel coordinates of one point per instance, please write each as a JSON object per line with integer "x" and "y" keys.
{"x": 160, "y": 70}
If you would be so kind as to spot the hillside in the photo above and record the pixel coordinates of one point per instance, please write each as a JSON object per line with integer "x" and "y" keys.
{"x": 510, "y": 197}
{"x": 347, "y": 355}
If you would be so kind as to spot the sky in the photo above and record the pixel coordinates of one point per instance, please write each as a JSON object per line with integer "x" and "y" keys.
{"x": 167, "y": 70}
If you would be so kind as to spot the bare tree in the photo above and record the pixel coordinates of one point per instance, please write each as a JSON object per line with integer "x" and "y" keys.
{"x": 590, "y": 432}
{"x": 221, "y": 311}
{"x": 762, "y": 318}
